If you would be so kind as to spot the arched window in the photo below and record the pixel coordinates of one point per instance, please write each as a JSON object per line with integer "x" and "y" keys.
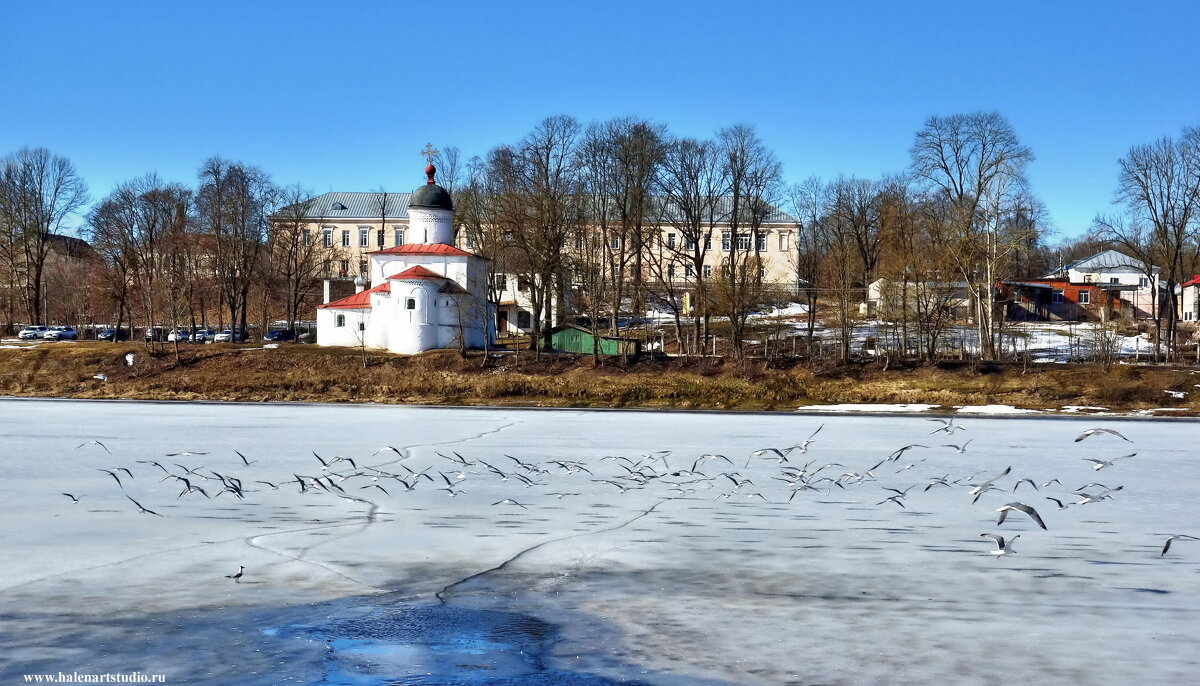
{"x": 410, "y": 303}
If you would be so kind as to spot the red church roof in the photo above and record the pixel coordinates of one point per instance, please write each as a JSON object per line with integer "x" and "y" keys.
{"x": 1194, "y": 282}
{"x": 417, "y": 272}
{"x": 424, "y": 249}
{"x": 358, "y": 301}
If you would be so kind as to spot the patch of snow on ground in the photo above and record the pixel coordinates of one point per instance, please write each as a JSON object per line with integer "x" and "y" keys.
{"x": 870, "y": 407}
{"x": 992, "y": 409}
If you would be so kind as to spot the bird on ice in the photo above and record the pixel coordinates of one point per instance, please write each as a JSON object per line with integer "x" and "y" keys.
{"x": 1002, "y": 547}
{"x": 1092, "y": 432}
{"x": 237, "y": 576}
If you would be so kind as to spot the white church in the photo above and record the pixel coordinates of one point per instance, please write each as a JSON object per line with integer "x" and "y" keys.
{"x": 421, "y": 295}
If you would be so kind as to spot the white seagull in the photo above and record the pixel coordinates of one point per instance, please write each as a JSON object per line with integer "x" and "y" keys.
{"x": 238, "y": 576}
{"x": 1019, "y": 507}
{"x": 1172, "y": 538}
{"x": 1101, "y": 464}
{"x": 1092, "y": 432}
{"x": 1002, "y": 547}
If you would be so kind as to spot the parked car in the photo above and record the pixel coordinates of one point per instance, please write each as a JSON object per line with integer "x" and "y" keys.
{"x": 181, "y": 335}
{"x": 33, "y": 332}
{"x": 280, "y": 335}
{"x": 203, "y": 335}
{"x": 231, "y": 336}
{"x": 113, "y": 335}
{"x": 60, "y": 333}
{"x": 156, "y": 333}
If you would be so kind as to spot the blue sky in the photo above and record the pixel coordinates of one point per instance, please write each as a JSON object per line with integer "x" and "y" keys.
{"x": 342, "y": 96}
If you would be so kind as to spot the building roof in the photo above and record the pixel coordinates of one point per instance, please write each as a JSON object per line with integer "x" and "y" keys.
{"x": 1109, "y": 259}
{"x": 336, "y": 205}
{"x": 417, "y": 272}
{"x": 424, "y": 249}
{"x": 1194, "y": 282}
{"x": 358, "y": 301}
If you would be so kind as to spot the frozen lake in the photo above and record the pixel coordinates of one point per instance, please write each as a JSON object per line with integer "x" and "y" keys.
{"x": 668, "y": 577}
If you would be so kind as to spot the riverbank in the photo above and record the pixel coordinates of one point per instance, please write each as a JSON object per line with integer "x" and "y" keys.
{"x": 300, "y": 373}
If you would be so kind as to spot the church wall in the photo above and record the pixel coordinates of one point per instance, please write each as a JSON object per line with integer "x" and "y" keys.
{"x": 430, "y": 226}
{"x": 328, "y": 333}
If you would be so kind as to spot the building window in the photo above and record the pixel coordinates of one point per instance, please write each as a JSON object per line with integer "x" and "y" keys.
{"x": 523, "y": 320}
{"x": 362, "y": 326}
{"x": 327, "y": 268}
{"x": 364, "y": 238}
{"x": 1144, "y": 282}
{"x": 724, "y": 241}
{"x": 362, "y": 267}
{"x": 614, "y": 243}
{"x": 327, "y": 238}
{"x": 670, "y": 271}
{"x": 1113, "y": 279}
{"x": 688, "y": 272}
{"x": 499, "y": 282}
{"x": 579, "y": 241}
{"x": 671, "y": 241}
{"x": 762, "y": 273}
{"x": 380, "y": 238}
{"x": 689, "y": 244}
{"x": 307, "y": 237}
{"x": 339, "y": 320}
{"x": 398, "y": 235}
{"x": 708, "y": 242}
{"x": 410, "y": 303}
{"x": 345, "y": 267}
{"x": 743, "y": 241}
{"x": 345, "y": 238}
{"x": 784, "y": 239}
{"x": 708, "y": 271}
{"x": 1057, "y": 296}
{"x": 522, "y": 283}
{"x": 1084, "y": 298}
{"x": 470, "y": 240}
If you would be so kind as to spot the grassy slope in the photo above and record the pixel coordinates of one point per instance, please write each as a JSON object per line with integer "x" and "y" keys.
{"x": 308, "y": 373}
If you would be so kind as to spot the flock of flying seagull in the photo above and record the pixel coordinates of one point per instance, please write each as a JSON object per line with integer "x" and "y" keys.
{"x": 703, "y": 476}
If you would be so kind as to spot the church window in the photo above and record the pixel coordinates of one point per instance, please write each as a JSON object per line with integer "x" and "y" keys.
{"x": 362, "y": 326}
{"x": 364, "y": 238}
{"x": 410, "y": 303}
{"x": 340, "y": 320}
{"x": 345, "y": 238}
{"x": 399, "y": 236}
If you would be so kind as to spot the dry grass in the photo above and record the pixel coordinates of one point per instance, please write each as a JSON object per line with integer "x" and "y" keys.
{"x": 309, "y": 373}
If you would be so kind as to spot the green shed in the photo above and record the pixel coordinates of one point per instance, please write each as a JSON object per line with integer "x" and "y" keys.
{"x": 576, "y": 339}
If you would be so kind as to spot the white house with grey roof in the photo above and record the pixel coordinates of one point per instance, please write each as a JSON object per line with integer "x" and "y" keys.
{"x": 1135, "y": 282}
{"x": 423, "y": 292}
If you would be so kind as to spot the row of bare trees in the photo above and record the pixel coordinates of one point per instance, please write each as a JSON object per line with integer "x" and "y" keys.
{"x": 601, "y": 221}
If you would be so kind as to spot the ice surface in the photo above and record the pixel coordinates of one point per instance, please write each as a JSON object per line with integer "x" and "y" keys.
{"x": 685, "y": 580}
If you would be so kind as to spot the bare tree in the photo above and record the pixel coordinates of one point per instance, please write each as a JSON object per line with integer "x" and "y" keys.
{"x": 233, "y": 204}
{"x": 975, "y": 165}
{"x": 751, "y": 176}
{"x": 1159, "y": 184}
{"x": 295, "y": 253}
{"x": 39, "y": 192}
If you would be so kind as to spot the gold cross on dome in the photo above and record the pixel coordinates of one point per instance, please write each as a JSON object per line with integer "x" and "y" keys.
{"x": 430, "y": 152}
